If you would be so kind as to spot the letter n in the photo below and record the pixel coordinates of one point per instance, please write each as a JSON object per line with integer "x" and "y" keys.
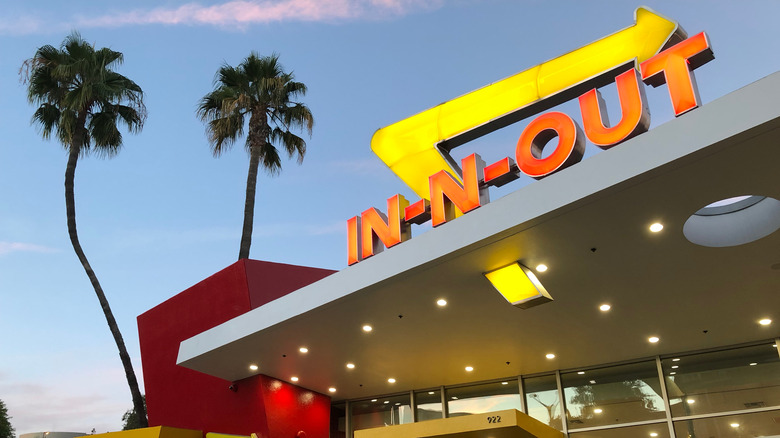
{"x": 379, "y": 231}
{"x": 447, "y": 194}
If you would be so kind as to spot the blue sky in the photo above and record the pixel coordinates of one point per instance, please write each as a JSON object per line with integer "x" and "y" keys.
{"x": 164, "y": 213}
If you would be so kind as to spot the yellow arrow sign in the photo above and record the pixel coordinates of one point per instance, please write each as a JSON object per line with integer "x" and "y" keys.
{"x": 418, "y": 146}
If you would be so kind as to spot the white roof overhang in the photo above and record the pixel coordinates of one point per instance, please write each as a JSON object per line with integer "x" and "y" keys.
{"x": 692, "y": 297}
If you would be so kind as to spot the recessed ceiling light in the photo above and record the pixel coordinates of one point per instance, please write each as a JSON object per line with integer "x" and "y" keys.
{"x": 331, "y": 389}
{"x": 294, "y": 379}
{"x": 367, "y": 328}
{"x": 592, "y": 382}
{"x": 398, "y": 404}
{"x": 441, "y": 302}
{"x": 774, "y": 345}
{"x": 391, "y": 380}
{"x": 765, "y": 321}
{"x": 605, "y": 307}
{"x": 676, "y": 359}
{"x": 351, "y": 365}
{"x": 580, "y": 372}
{"x": 505, "y": 383}
{"x": 541, "y": 268}
{"x": 673, "y": 373}
{"x": 469, "y": 369}
{"x": 734, "y": 424}
{"x": 653, "y": 434}
{"x": 752, "y": 364}
{"x": 303, "y": 350}
{"x": 386, "y": 402}
{"x": 656, "y": 227}
{"x": 690, "y": 401}
{"x": 549, "y": 356}
{"x": 674, "y": 367}
{"x": 653, "y": 339}
{"x": 373, "y": 400}
{"x": 598, "y": 410}
{"x": 454, "y": 398}
{"x": 431, "y": 392}
{"x": 253, "y": 367}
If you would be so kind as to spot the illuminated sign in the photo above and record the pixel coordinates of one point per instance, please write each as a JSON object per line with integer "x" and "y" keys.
{"x": 653, "y": 51}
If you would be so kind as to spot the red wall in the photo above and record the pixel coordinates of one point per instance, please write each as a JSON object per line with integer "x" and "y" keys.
{"x": 180, "y": 397}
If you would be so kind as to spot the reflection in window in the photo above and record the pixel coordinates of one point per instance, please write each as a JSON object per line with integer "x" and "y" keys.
{"x": 381, "y": 411}
{"x": 762, "y": 424}
{"x": 428, "y": 405}
{"x": 541, "y": 400}
{"x": 619, "y": 394}
{"x": 722, "y": 381}
{"x": 478, "y": 399}
{"x": 659, "y": 430}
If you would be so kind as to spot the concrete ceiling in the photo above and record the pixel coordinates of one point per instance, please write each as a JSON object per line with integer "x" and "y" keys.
{"x": 589, "y": 224}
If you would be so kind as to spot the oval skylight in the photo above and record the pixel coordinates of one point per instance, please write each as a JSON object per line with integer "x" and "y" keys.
{"x": 733, "y": 221}
{"x": 729, "y": 205}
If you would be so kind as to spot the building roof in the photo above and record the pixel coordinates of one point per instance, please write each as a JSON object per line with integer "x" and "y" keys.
{"x": 589, "y": 224}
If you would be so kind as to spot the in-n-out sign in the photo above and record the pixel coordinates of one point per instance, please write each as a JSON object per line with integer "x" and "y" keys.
{"x": 653, "y": 51}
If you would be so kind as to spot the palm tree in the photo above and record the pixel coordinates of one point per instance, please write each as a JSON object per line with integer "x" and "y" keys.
{"x": 81, "y": 101}
{"x": 261, "y": 91}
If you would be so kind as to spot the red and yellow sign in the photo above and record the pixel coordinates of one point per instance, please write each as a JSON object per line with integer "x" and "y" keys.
{"x": 654, "y": 51}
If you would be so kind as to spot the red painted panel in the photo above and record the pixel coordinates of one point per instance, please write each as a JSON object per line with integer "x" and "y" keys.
{"x": 269, "y": 281}
{"x": 180, "y": 397}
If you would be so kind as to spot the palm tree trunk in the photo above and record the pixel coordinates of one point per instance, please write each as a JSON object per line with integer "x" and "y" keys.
{"x": 70, "y": 205}
{"x": 249, "y": 204}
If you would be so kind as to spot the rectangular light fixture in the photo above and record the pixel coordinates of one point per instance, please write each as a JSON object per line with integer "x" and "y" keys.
{"x": 519, "y": 285}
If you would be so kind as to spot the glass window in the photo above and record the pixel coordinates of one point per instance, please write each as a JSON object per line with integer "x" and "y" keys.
{"x": 619, "y": 394}
{"x": 722, "y": 381}
{"x": 428, "y": 405}
{"x": 660, "y": 430}
{"x": 381, "y": 411}
{"x": 338, "y": 420}
{"x": 488, "y": 397}
{"x": 762, "y": 424}
{"x": 541, "y": 400}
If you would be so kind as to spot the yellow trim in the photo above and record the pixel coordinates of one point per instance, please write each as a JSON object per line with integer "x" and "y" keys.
{"x": 512, "y": 424}
{"x": 409, "y": 147}
{"x": 152, "y": 432}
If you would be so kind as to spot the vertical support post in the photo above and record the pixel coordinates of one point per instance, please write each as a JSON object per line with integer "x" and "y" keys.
{"x": 445, "y": 412}
{"x": 665, "y": 396}
{"x": 562, "y": 404}
{"x": 521, "y": 389}
{"x": 348, "y": 419}
{"x": 413, "y": 406}
{"x": 777, "y": 345}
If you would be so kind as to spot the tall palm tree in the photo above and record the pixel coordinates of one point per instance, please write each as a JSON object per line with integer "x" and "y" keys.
{"x": 261, "y": 91}
{"x": 81, "y": 100}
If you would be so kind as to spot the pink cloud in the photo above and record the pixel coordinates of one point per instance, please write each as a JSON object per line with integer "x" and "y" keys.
{"x": 245, "y": 12}
{"x": 9, "y": 247}
{"x": 236, "y": 14}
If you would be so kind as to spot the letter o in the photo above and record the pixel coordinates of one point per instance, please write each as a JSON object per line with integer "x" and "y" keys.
{"x": 535, "y": 136}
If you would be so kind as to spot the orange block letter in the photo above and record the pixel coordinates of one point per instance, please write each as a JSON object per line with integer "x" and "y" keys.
{"x": 535, "y": 136}
{"x": 380, "y": 231}
{"x": 353, "y": 240}
{"x": 675, "y": 66}
{"x": 447, "y": 194}
{"x": 635, "y": 116}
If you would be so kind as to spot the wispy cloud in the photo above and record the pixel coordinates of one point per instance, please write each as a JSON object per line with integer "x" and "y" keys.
{"x": 10, "y": 247}
{"x": 178, "y": 238}
{"x": 237, "y": 14}
{"x": 369, "y": 166}
{"x": 95, "y": 396}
